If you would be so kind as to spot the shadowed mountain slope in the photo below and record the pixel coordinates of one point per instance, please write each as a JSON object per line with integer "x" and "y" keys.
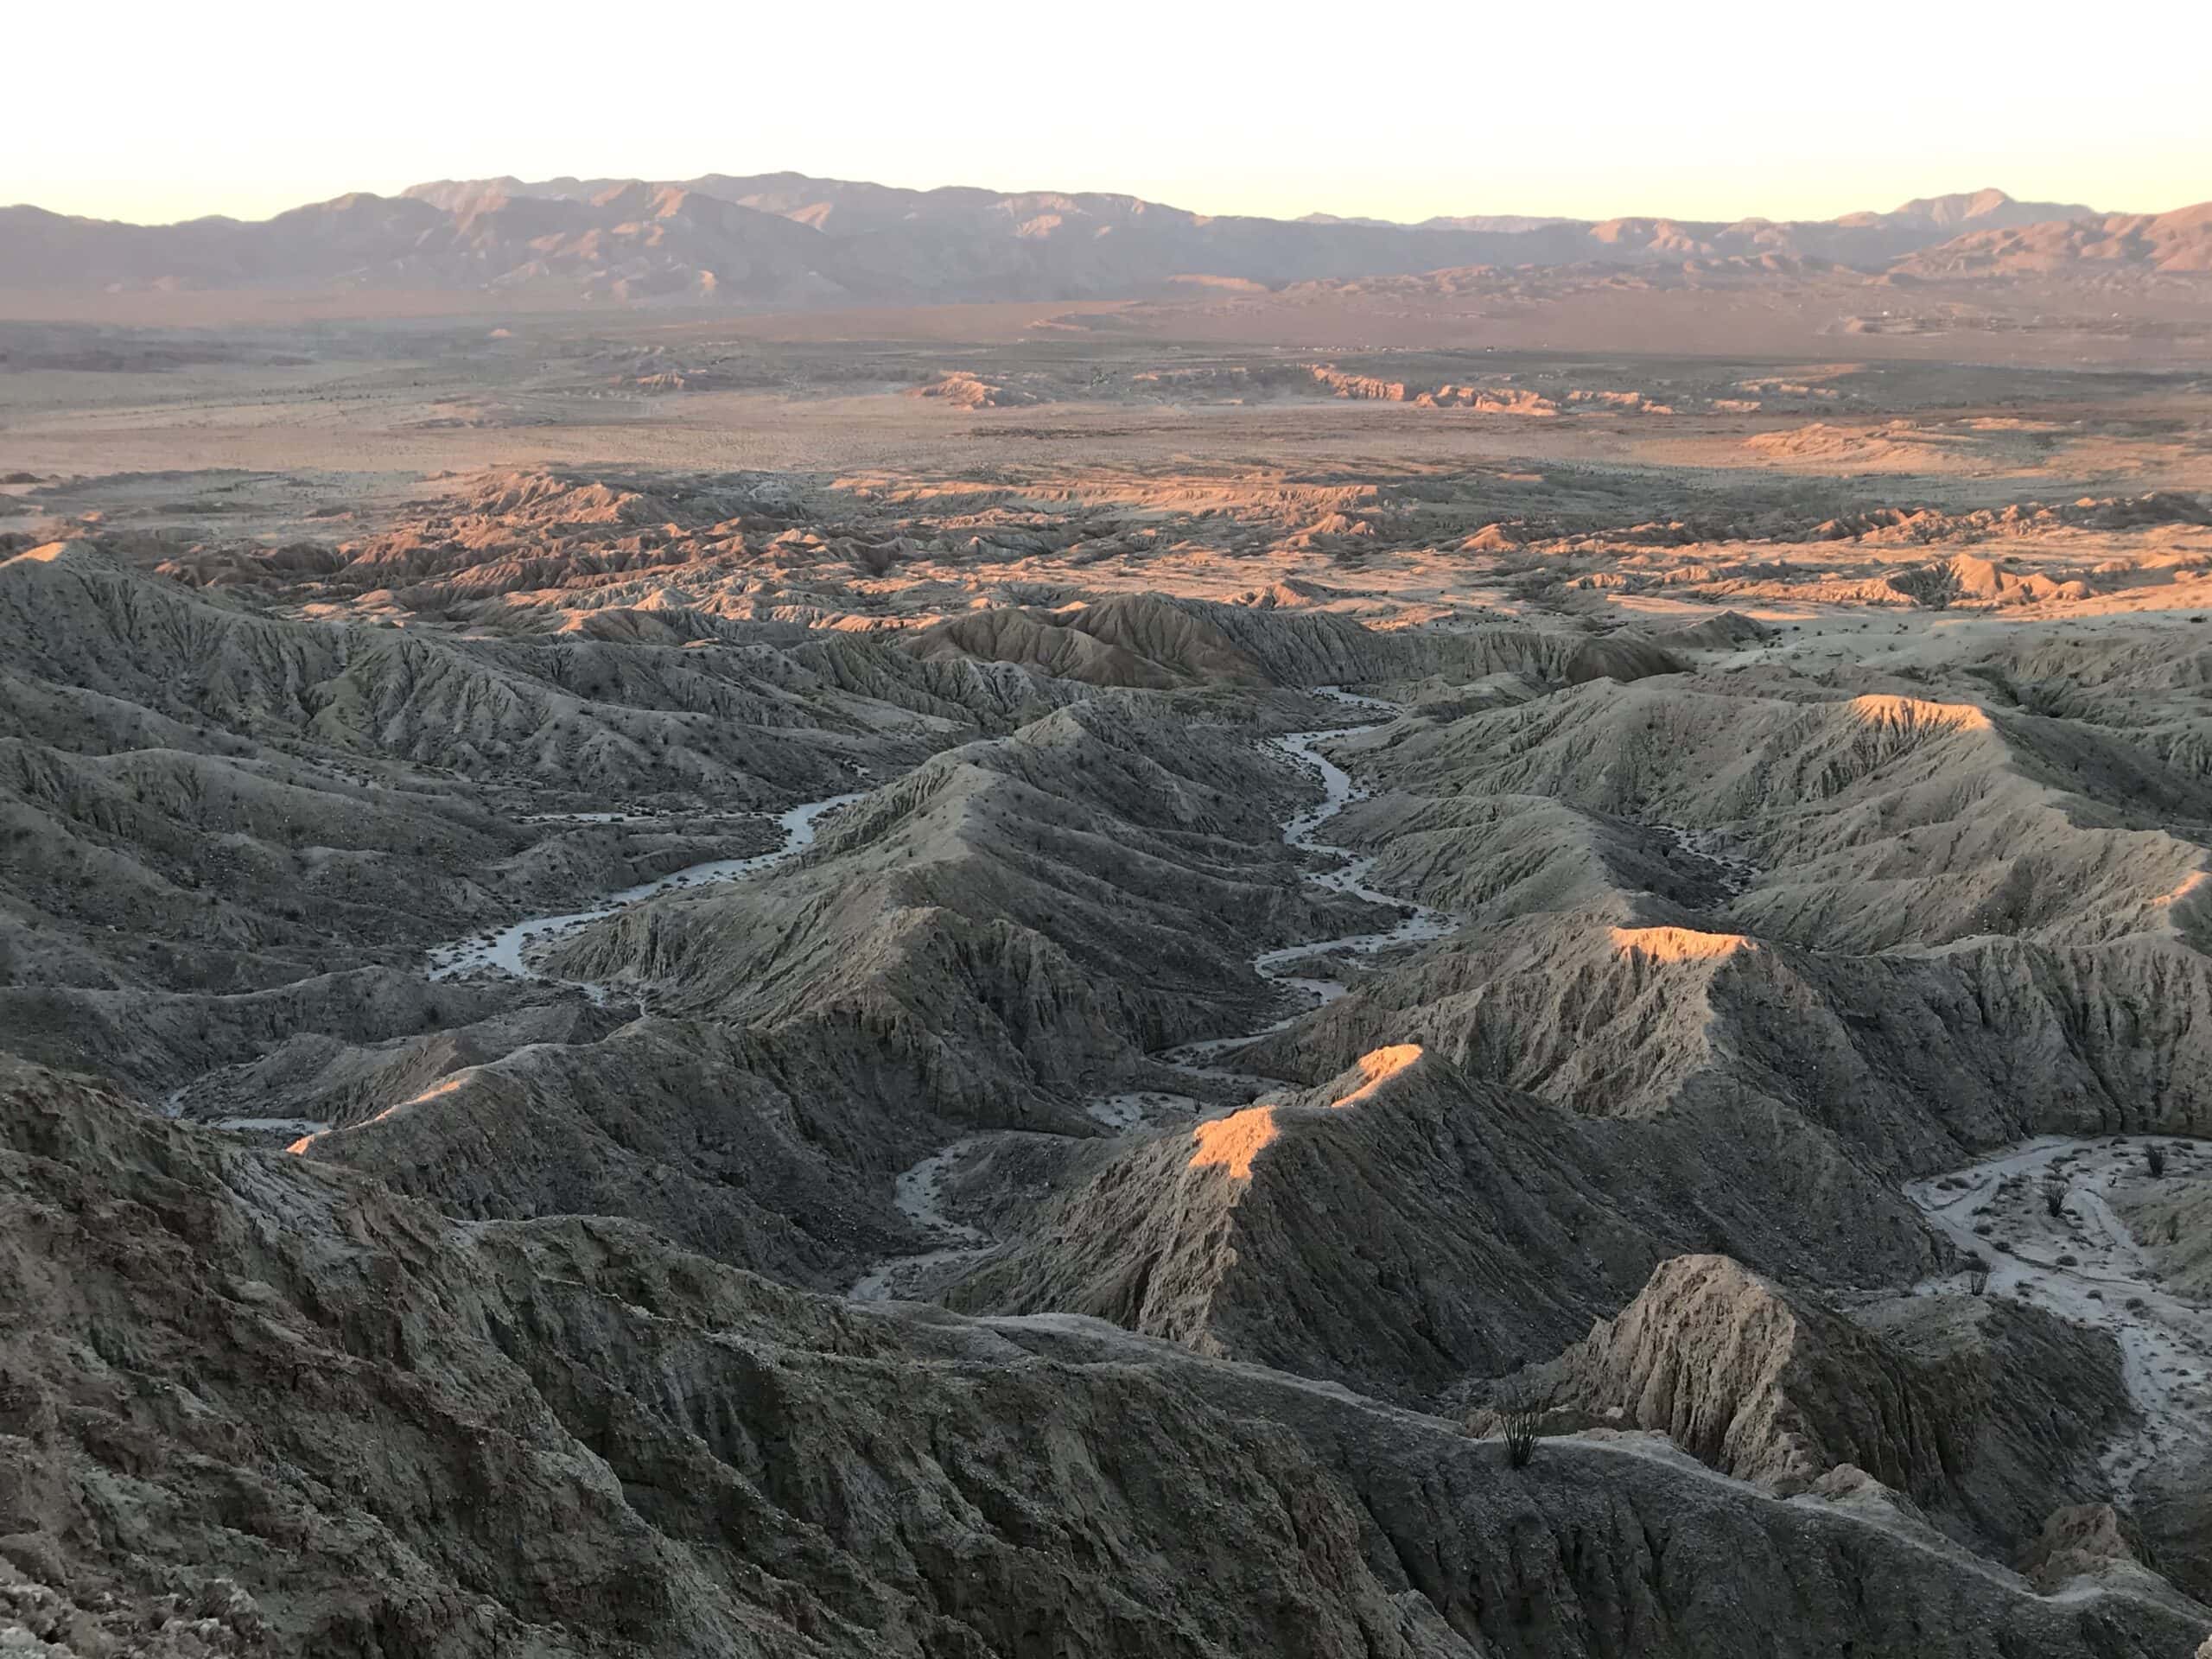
{"x": 562, "y": 1437}
{"x": 1404, "y": 1226}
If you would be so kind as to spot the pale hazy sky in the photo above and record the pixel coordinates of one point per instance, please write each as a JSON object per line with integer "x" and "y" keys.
{"x": 124, "y": 108}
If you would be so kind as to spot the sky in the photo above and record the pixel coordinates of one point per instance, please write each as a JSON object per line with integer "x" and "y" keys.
{"x": 156, "y": 113}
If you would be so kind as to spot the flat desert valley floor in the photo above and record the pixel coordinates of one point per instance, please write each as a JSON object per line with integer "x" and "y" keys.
{"x": 1035, "y": 980}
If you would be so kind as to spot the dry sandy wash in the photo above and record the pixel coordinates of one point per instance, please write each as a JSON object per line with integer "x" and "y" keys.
{"x": 1078, "y": 980}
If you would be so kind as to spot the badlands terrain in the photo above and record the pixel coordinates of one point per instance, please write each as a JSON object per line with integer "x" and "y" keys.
{"x": 1149, "y": 976}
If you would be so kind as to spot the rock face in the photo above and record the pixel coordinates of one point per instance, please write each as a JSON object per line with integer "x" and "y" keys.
{"x": 1021, "y": 915}
{"x": 1268, "y": 945}
{"x": 2038, "y": 1398}
{"x": 1155, "y": 640}
{"x": 1759, "y": 1387}
{"x": 1400, "y": 1228}
{"x": 398, "y": 1433}
{"x": 1895, "y": 917}
{"x": 262, "y": 798}
{"x": 729, "y": 1145}
{"x": 1984, "y": 1415}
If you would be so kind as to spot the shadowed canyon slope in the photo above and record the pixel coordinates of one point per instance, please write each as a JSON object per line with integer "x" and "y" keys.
{"x": 670, "y": 987}
{"x": 672, "y": 1457}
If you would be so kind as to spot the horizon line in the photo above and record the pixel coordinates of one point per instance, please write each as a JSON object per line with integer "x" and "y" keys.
{"x": 1353, "y": 220}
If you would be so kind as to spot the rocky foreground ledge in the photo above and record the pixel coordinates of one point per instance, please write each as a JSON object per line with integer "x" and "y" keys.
{"x": 253, "y": 1404}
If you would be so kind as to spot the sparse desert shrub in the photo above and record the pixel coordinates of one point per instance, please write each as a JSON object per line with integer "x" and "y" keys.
{"x": 2069, "y": 1261}
{"x": 2155, "y": 1155}
{"x": 2054, "y": 1194}
{"x": 1520, "y": 1432}
{"x": 1977, "y": 1274}
{"x": 1932, "y": 586}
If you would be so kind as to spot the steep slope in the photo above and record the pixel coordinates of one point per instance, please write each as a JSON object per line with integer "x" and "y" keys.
{"x": 1928, "y": 929}
{"x": 582, "y": 713}
{"x": 203, "y": 789}
{"x": 1158, "y": 640}
{"x": 157, "y": 1043}
{"x": 977, "y": 947}
{"x": 1030, "y": 912}
{"x": 752, "y": 1151}
{"x": 1987, "y": 1415}
{"x": 253, "y": 1403}
{"x": 1403, "y": 1226}
{"x": 1873, "y": 822}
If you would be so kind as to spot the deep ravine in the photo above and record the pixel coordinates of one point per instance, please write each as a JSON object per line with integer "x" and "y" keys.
{"x": 918, "y": 1188}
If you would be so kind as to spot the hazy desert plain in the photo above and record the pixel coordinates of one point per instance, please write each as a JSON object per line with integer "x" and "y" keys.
{"x": 1456, "y": 959}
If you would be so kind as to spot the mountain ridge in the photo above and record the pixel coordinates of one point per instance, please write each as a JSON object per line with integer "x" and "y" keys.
{"x": 789, "y": 240}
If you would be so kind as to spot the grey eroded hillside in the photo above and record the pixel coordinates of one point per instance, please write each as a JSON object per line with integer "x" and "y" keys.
{"x": 1164, "y": 1002}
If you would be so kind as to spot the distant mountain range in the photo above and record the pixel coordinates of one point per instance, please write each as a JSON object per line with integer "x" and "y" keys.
{"x": 786, "y": 239}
